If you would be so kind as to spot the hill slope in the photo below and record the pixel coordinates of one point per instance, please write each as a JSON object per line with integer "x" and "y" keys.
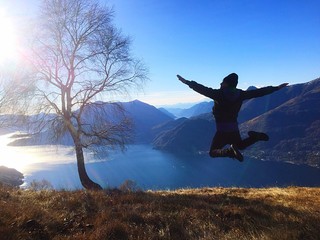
{"x": 186, "y": 136}
{"x": 209, "y": 213}
{"x": 290, "y": 116}
{"x": 293, "y": 127}
{"x": 10, "y": 177}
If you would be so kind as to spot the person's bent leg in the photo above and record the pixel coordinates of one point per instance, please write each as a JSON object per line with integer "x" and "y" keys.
{"x": 219, "y": 141}
{"x": 253, "y": 138}
{"x": 231, "y": 152}
{"x": 259, "y": 136}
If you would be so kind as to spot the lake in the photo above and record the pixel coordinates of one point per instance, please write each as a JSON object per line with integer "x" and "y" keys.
{"x": 152, "y": 169}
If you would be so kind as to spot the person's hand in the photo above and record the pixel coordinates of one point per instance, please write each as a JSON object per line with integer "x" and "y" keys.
{"x": 282, "y": 85}
{"x": 182, "y": 79}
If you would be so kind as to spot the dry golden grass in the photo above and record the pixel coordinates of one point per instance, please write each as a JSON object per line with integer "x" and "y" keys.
{"x": 207, "y": 213}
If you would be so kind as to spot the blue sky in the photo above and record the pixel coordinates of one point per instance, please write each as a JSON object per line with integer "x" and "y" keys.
{"x": 267, "y": 42}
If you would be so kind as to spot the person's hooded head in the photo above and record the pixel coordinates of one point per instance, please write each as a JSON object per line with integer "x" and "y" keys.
{"x": 230, "y": 81}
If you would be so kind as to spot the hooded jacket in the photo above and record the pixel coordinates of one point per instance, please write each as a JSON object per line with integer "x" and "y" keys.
{"x": 228, "y": 102}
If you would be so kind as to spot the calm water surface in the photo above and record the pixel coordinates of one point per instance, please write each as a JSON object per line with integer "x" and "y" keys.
{"x": 153, "y": 169}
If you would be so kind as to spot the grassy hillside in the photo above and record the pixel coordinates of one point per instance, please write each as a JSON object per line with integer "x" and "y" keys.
{"x": 208, "y": 213}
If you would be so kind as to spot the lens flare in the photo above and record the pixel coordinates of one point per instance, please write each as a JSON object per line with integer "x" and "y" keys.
{"x": 8, "y": 39}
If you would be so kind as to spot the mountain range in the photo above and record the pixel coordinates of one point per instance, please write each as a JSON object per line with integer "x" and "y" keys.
{"x": 291, "y": 117}
{"x": 197, "y": 109}
{"x": 293, "y": 126}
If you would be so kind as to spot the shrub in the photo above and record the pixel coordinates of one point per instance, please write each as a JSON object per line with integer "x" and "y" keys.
{"x": 40, "y": 185}
{"x": 129, "y": 186}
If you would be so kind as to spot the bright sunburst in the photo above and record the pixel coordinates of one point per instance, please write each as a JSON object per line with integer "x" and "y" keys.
{"x": 8, "y": 40}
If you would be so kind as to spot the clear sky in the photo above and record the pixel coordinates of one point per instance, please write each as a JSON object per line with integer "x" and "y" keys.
{"x": 267, "y": 42}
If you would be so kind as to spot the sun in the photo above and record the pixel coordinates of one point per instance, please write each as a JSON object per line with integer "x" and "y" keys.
{"x": 8, "y": 40}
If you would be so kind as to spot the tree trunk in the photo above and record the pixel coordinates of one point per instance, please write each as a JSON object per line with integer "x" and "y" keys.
{"x": 86, "y": 182}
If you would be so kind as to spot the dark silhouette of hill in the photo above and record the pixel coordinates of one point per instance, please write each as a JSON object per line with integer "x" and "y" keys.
{"x": 188, "y": 136}
{"x": 167, "y": 126}
{"x": 255, "y": 107}
{"x": 10, "y": 177}
{"x": 293, "y": 127}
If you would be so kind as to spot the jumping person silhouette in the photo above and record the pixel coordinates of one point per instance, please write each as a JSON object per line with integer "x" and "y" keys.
{"x": 227, "y": 103}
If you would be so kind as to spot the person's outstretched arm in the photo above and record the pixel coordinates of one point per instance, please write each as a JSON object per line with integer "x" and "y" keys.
{"x": 206, "y": 91}
{"x": 262, "y": 91}
{"x": 183, "y": 80}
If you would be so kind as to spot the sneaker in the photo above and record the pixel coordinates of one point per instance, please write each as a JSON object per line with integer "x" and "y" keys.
{"x": 237, "y": 154}
{"x": 258, "y": 135}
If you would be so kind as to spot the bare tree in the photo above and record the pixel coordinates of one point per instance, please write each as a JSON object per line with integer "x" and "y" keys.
{"x": 79, "y": 57}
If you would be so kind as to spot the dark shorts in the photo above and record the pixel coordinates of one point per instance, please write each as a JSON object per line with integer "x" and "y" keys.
{"x": 222, "y": 139}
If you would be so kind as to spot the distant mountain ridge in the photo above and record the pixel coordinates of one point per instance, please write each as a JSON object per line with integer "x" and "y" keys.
{"x": 143, "y": 117}
{"x": 197, "y": 109}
